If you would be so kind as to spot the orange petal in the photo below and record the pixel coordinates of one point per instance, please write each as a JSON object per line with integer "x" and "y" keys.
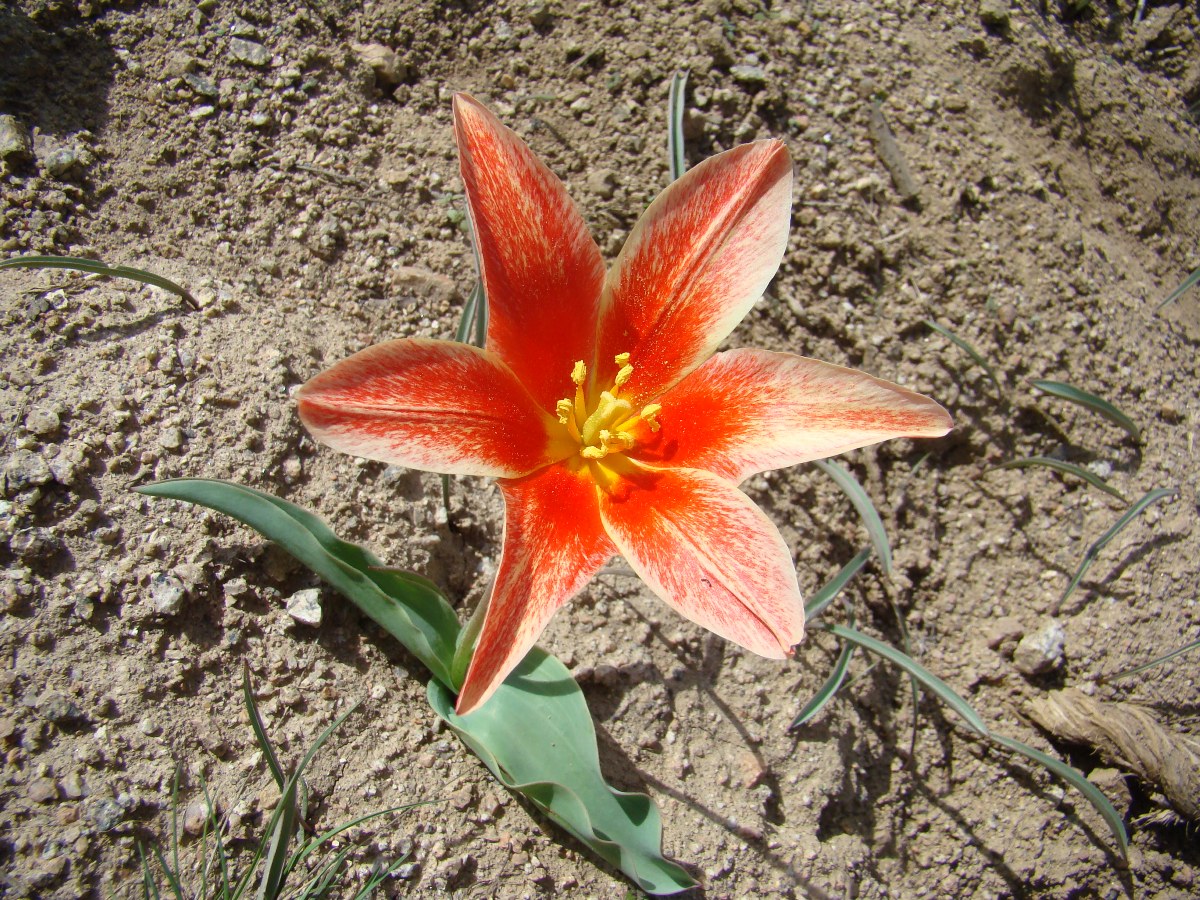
{"x": 553, "y": 545}
{"x": 694, "y": 264}
{"x": 540, "y": 267}
{"x": 440, "y": 406}
{"x": 710, "y": 553}
{"x": 747, "y": 411}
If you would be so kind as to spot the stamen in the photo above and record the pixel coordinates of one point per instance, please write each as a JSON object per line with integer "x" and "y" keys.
{"x": 565, "y": 410}
{"x": 649, "y": 415}
{"x": 579, "y": 373}
{"x": 621, "y": 359}
{"x": 623, "y": 376}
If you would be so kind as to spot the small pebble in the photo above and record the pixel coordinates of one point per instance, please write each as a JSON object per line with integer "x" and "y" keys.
{"x": 1040, "y": 651}
{"x": 26, "y": 469}
{"x": 43, "y": 790}
{"x": 305, "y": 606}
{"x": 195, "y": 817}
{"x": 43, "y": 422}
{"x": 995, "y": 14}
{"x": 249, "y": 52}
{"x": 59, "y": 709}
{"x": 106, "y": 814}
{"x": 172, "y": 438}
{"x": 60, "y": 162}
{"x": 167, "y": 594}
{"x": 15, "y": 145}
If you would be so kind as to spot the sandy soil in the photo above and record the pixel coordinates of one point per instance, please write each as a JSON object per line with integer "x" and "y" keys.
{"x": 313, "y": 206}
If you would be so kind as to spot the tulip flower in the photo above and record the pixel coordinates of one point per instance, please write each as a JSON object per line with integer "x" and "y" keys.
{"x": 601, "y": 406}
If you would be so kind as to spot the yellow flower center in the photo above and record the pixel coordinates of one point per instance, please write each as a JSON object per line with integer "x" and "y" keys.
{"x": 604, "y": 430}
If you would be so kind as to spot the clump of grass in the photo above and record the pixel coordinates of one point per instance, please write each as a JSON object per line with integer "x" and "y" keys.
{"x": 280, "y": 862}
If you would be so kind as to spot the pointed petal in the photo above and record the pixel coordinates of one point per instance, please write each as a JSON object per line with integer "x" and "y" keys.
{"x": 695, "y": 263}
{"x": 553, "y": 545}
{"x": 710, "y": 553}
{"x": 747, "y": 411}
{"x": 440, "y": 406}
{"x": 542, "y": 271}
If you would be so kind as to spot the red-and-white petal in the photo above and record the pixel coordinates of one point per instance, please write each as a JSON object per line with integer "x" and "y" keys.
{"x": 440, "y": 406}
{"x": 553, "y": 544}
{"x": 540, "y": 266}
{"x": 694, "y": 264}
{"x": 747, "y": 411}
{"x": 710, "y": 553}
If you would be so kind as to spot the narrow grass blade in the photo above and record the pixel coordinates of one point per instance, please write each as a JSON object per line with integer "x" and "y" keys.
{"x": 1093, "y": 551}
{"x": 979, "y": 359}
{"x": 819, "y": 601}
{"x": 1073, "y": 777}
{"x": 676, "y": 103}
{"x": 149, "y": 887}
{"x": 320, "y": 840}
{"x": 94, "y": 267}
{"x": 829, "y": 689}
{"x": 943, "y": 691}
{"x": 260, "y": 731}
{"x": 852, "y": 489}
{"x": 379, "y": 877}
{"x": 1188, "y": 283}
{"x": 467, "y": 323}
{"x": 1136, "y": 670}
{"x": 1067, "y": 469}
{"x": 1089, "y": 401}
{"x": 172, "y": 876}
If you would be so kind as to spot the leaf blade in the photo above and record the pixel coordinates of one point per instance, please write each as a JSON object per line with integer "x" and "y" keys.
{"x": 866, "y": 509}
{"x": 416, "y": 615}
{"x": 943, "y": 691}
{"x": 1076, "y": 779}
{"x": 94, "y": 267}
{"x": 978, "y": 358}
{"x": 1089, "y": 557}
{"x": 1066, "y": 468}
{"x": 536, "y": 736}
{"x": 1098, "y": 405}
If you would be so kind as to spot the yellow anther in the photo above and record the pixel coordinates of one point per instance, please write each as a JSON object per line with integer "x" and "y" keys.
{"x": 579, "y": 373}
{"x": 649, "y": 415}
{"x": 623, "y": 375}
{"x": 565, "y": 410}
{"x": 593, "y": 453}
{"x": 621, "y": 359}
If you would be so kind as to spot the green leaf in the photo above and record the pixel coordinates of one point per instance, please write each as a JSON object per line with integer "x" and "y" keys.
{"x": 405, "y": 606}
{"x": 966, "y": 348}
{"x": 259, "y": 729}
{"x": 535, "y": 733}
{"x": 676, "y": 104}
{"x": 943, "y": 691}
{"x": 819, "y": 601}
{"x": 1093, "y": 551}
{"x": 1089, "y": 401}
{"x": 1075, "y": 778}
{"x": 537, "y": 737}
{"x": 1188, "y": 284}
{"x": 94, "y": 267}
{"x": 1166, "y": 657}
{"x": 829, "y": 689}
{"x": 866, "y": 509}
{"x": 1066, "y": 468}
